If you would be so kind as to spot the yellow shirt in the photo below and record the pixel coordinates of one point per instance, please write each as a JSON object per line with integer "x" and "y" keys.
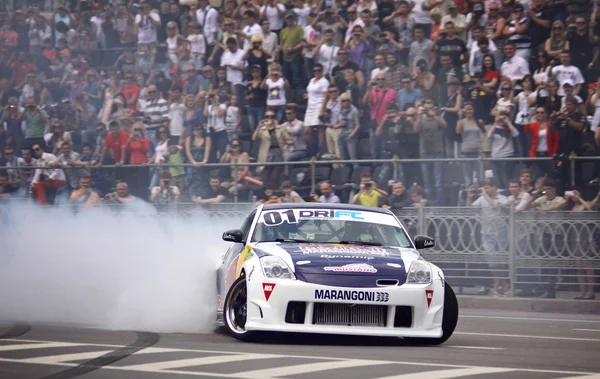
{"x": 370, "y": 199}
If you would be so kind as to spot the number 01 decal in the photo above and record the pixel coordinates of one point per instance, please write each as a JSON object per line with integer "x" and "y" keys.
{"x": 274, "y": 218}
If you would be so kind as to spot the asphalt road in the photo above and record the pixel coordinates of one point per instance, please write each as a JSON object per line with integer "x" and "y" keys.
{"x": 487, "y": 344}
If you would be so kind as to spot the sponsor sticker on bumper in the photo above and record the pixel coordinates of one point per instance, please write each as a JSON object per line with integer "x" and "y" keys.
{"x": 352, "y": 295}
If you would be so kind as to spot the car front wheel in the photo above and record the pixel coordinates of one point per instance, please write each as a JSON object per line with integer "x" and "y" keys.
{"x": 449, "y": 320}
{"x": 235, "y": 311}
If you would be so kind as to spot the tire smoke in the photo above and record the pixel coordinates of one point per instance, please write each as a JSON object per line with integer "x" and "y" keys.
{"x": 126, "y": 270}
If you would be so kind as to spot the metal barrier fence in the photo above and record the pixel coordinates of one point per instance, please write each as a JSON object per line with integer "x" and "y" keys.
{"x": 524, "y": 248}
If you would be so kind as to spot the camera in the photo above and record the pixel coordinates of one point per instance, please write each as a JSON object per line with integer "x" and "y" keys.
{"x": 368, "y": 185}
{"x": 382, "y": 35}
{"x": 167, "y": 182}
{"x": 12, "y": 106}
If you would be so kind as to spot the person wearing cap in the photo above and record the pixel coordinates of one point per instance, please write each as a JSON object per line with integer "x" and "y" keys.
{"x": 250, "y": 30}
{"x": 566, "y": 71}
{"x": 274, "y": 12}
{"x": 291, "y": 41}
{"x": 569, "y": 90}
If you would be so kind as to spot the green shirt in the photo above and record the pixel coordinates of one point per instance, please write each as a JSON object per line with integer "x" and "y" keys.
{"x": 34, "y": 124}
{"x": 176, "y": 158}
{"x": 291, "y": 37}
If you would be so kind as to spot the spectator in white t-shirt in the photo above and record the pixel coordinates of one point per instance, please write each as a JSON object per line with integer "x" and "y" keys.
{"x": 274, "y": 13}
{"x": 566, "y": 71}
{"x": 233, "y": 61}
{"x": 325, "y": 52}
{"x": 148, "y": 24}
{"x": 380, "y": 66}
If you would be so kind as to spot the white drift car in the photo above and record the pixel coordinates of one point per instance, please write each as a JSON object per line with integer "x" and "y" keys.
{"x": 335, "y": 269}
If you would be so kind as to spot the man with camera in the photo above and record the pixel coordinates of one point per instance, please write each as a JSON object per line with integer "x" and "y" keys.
{"x": 327, "y": 195}
{"x": 45, "y": 179}
{"x": 84, "y": 195}
{"x": 347, "y": 121}
{"x": 494, "y": 230}
{"x": 369, "y": 194}
{"x": 165, "y": 192}
{"x": 121, "y": 195}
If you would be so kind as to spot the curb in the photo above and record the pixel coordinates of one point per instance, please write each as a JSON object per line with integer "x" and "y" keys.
{"x": 530, "y": 304}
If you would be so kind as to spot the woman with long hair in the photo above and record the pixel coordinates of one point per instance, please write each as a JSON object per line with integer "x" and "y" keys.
{"x": 472, "y": 132}
{"x": 491, "y": 74}
{"x": 56, "y": 137}
{"x": 425, "y": 80}
{"x": 544, "y": 142}
{"x": 502, "y": 134}
{"x": 197, "y": 150}
{"x": 524, "y": 100}
{"x": 174, "y": 40}
{"x": 192, "y": 115}
{"x": 541, "y": 75}
{"x": 221, "y": 84}
{"x": 450, "y": 112}
{"x": 276, "y": 84}
{"x": 558, "y": 41}
{"x": 505, "y": 102}
{"x": 137, "y": 151}
{"x": 41, "y": 94}
{"x": 271, "y": 137}
{"x": 256, "y": 97}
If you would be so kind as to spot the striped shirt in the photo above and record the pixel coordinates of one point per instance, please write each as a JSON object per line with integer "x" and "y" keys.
{"x": 156, "y": 110}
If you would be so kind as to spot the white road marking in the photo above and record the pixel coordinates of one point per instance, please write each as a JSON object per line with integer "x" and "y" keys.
{"x": 526, "y": 336}
{"x": 477, "y": 347}
{"x": 587, "y": 330}
{"x": 527, "y": 319}
{"x": 168, "y": 365}
{"x": 304, "y": 368}
{"x": 591, "y": 376}
{"x": 50, "y": 359}
{"x": 44, "y": 345}
{"x": 449, "y": 374}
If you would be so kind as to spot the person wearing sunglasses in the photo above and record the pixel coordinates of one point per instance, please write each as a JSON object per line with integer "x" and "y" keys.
{"x": 45, "y": 179}
{"x": 276, "y": 84}
{"x": 271, "y": 137}
{"x": 236, "y": 155}
{"x": 557, "y": 42}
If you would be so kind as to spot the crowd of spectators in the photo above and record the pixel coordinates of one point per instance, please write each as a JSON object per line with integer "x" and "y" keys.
{"x": 152, "y": 84}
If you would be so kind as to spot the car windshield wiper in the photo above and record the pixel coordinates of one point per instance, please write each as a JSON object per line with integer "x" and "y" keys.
{"x": 289, "y": 240}
{"x": 360, "y": 243}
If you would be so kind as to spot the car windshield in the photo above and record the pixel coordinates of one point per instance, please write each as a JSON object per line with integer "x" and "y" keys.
{"x": 339, "y": 226}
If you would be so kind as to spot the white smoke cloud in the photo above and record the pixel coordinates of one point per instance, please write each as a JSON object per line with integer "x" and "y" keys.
{"x": 130, "y": 270}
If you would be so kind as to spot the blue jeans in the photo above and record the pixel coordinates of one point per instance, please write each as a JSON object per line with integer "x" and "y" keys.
{"x": 293, "y": 71}
{"x": 432, "y": 177}
{"x": 469, "y": 168}
{"x": 298, "y": 155}
{"x": 376, "y": 143}
{"x": 255, "y": 115}
{"x": 348, "y": 147}
{"x": 503, "y": 171}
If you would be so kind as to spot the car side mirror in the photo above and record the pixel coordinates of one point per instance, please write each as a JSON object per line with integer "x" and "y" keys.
{"x": 424, "y": 242}
{"x": 234, "y": 235}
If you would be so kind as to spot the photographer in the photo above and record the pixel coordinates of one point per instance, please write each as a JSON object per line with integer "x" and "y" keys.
{"x": 164, "y": 193}
{"x": 430, "y": 127}
{"x": 369, "y": 194}
{"x": 45, "y": 179}
{"x": 494, "y": 230}
{"x": 10, "y": 122}
{"x": 547, "y": 199}
{"x": 121, "y": 195}
{"x": 502, "y": 135}
{"x": 569, "y": 125}
{"x": 347, "y": 121}
{"x": 35, "y": 123}
{"x": 214, "y": 111}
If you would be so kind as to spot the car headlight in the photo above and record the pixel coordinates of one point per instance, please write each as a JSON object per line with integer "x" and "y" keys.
{"x": 275, "y": 268}
{"x": 419, "y": 273}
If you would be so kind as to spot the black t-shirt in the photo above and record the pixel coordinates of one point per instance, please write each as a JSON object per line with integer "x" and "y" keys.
{"x": 260, "y": 96}
{"x": 582, "y": 50}
{"x": 211, "y": 194}
{"x": 549, "y": 104}
{"x": 569, "y": 139}
{"x": 481, "y": 102}
{"x": 455, "y": 47}
{"x": 338, "y": 73}
{"x": 538, "y": 33}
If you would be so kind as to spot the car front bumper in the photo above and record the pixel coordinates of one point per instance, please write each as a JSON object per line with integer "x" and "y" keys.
{"x": 268, "y": 304}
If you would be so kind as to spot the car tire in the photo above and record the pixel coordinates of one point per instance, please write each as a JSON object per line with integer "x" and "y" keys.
{"x": 449, "y": 320}
{"x": 232, "y": 311}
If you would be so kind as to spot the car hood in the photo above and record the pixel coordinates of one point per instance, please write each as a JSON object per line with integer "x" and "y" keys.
{"x": 343, "y": 265}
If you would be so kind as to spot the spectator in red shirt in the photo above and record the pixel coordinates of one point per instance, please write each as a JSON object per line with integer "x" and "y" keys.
{"x": 21, "y": 68}
{"x": 137, "y": 149}
{"x": 378, "y": 97}
{"x": 116, "y": 142}
{"x": 131, "y": 92}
